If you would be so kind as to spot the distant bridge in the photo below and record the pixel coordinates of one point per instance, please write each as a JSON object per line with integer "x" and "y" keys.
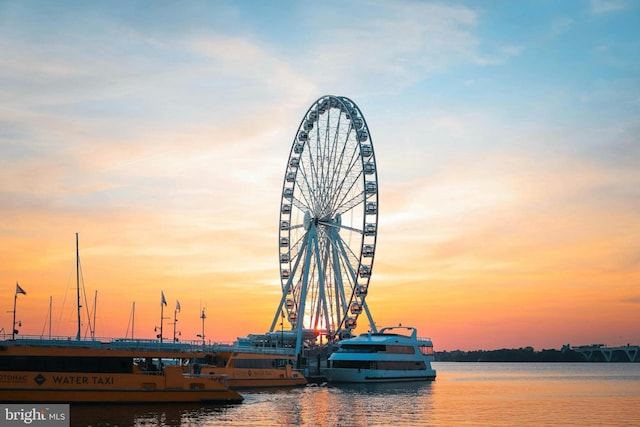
{"x": 602, "y": 353}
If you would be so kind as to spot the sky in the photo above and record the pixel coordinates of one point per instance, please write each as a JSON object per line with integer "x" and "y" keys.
{"x": 507, "y": 139}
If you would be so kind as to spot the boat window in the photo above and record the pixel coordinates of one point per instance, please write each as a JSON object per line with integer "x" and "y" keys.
{"x": 400, "y": 349}
{"x": 426, "y": 350}
{"x": 255, "y": 363}
{"x": 281, "y": 363}
{"x": 211, "y": 359}
{"x": 402, "y": 365}
{"x": 352, "y": 364}
{"x": 360, "y": 348}
{"x": 380, "y": 365}
{"x": 67, "y": 364}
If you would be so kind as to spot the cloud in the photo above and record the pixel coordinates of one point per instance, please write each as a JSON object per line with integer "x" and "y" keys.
{"x": 560, "y": 26}
{"x": 150, "y": 123}
{"x": 526, "y": 200}
{"x": 402, "y": 41}
{"x": 194, "y": 103}
{"x": 606, "y": 6}
{"x": 512, "y": 50}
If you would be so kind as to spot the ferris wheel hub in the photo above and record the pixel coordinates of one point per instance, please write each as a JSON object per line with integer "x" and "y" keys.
{"x": 307, "y": 220}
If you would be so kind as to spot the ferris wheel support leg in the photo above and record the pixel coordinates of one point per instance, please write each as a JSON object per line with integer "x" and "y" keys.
{"x": 280, "y": 306}
{"x": 321, "y": 277}
{"x": 285, "y": 292}
{"x": 311, "y": 236}
{"x": 341, "y": 303}
{"x": 371, "y": 322}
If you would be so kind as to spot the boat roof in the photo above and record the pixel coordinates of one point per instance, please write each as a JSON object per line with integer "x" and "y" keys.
{"x": 132, "y": 347}
{"x": 44, "y": 347}
{"x": 383, "y": 336}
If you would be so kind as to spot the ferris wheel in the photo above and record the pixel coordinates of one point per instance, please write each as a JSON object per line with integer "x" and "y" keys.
{"x": 328, "y": 221}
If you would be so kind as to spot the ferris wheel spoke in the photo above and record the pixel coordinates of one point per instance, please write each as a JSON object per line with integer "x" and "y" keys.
{"x": 357, "y": 197}
{"x": 334, "y": 147}
{"x": 340, "y": 226}
{"x": 306, "y": 172}
{"x": 297, "y": 248}
{"x": 299, "y": 204}
{"x": 343, "y": 262}
{"x": 307, "y": 192}
{"x": 352, "y": 203}
{"x": 317, "y": 160}
{"x": 332, "y": 159}
{"x": 352, "y": 177}
{"x": 350, "y": 258}
{"x": 342, "y": 171}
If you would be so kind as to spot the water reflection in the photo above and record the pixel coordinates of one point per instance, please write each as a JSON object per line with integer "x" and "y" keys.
{"x": 409, "y": 388}
{"x": 173, "y": 414}
{"x": 463, "y": 394}
{"x": 399, "y": 404}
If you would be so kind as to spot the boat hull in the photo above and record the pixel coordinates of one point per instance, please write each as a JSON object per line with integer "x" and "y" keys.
{"x": 171, "y": 385}
{"x": 346, "y": 375}
{"x": 253, "y": 383}
{"x": 246, "y": 379}
{"x": 255, "y": 369}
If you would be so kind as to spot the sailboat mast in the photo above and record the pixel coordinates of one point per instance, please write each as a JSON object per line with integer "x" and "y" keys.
{"x": 133, "y": 318}
{"x": 78, "y": 284}
{"x": 95, "y": 308}
{"x": 50, "y": 308}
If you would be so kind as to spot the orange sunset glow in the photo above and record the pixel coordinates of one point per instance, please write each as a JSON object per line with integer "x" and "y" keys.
{"x": 509, "y": 185}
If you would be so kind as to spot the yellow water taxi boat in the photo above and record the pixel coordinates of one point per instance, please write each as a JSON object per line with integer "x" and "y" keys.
{"x": 59, "y": 371}
{"x": 249, "y": 367}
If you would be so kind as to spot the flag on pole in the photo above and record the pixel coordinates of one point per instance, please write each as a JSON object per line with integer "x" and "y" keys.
{"x": 164, "y": 301}
{"x": 19, "y": 290}
{"x": 177, "y": 305}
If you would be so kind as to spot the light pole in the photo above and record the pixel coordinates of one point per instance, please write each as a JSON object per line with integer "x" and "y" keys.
{"x": 163, "y": 302}
{"x": 14, "y": 331}
{"x": 175, "y": 320}
{"x": 282, "y": 329}
{"x": 202, "y": 316}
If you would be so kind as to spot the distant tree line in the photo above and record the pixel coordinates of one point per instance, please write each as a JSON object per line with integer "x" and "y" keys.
{"x": 526, "y": 354}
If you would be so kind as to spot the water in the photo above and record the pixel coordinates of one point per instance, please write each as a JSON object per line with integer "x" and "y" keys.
{"x": 469, "y": 394}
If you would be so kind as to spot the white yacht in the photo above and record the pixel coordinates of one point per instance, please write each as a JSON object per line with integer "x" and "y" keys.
{"x": 393, "y": 354}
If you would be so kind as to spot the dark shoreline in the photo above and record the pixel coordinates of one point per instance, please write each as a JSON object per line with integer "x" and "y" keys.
{"x": 521, "y": 355}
